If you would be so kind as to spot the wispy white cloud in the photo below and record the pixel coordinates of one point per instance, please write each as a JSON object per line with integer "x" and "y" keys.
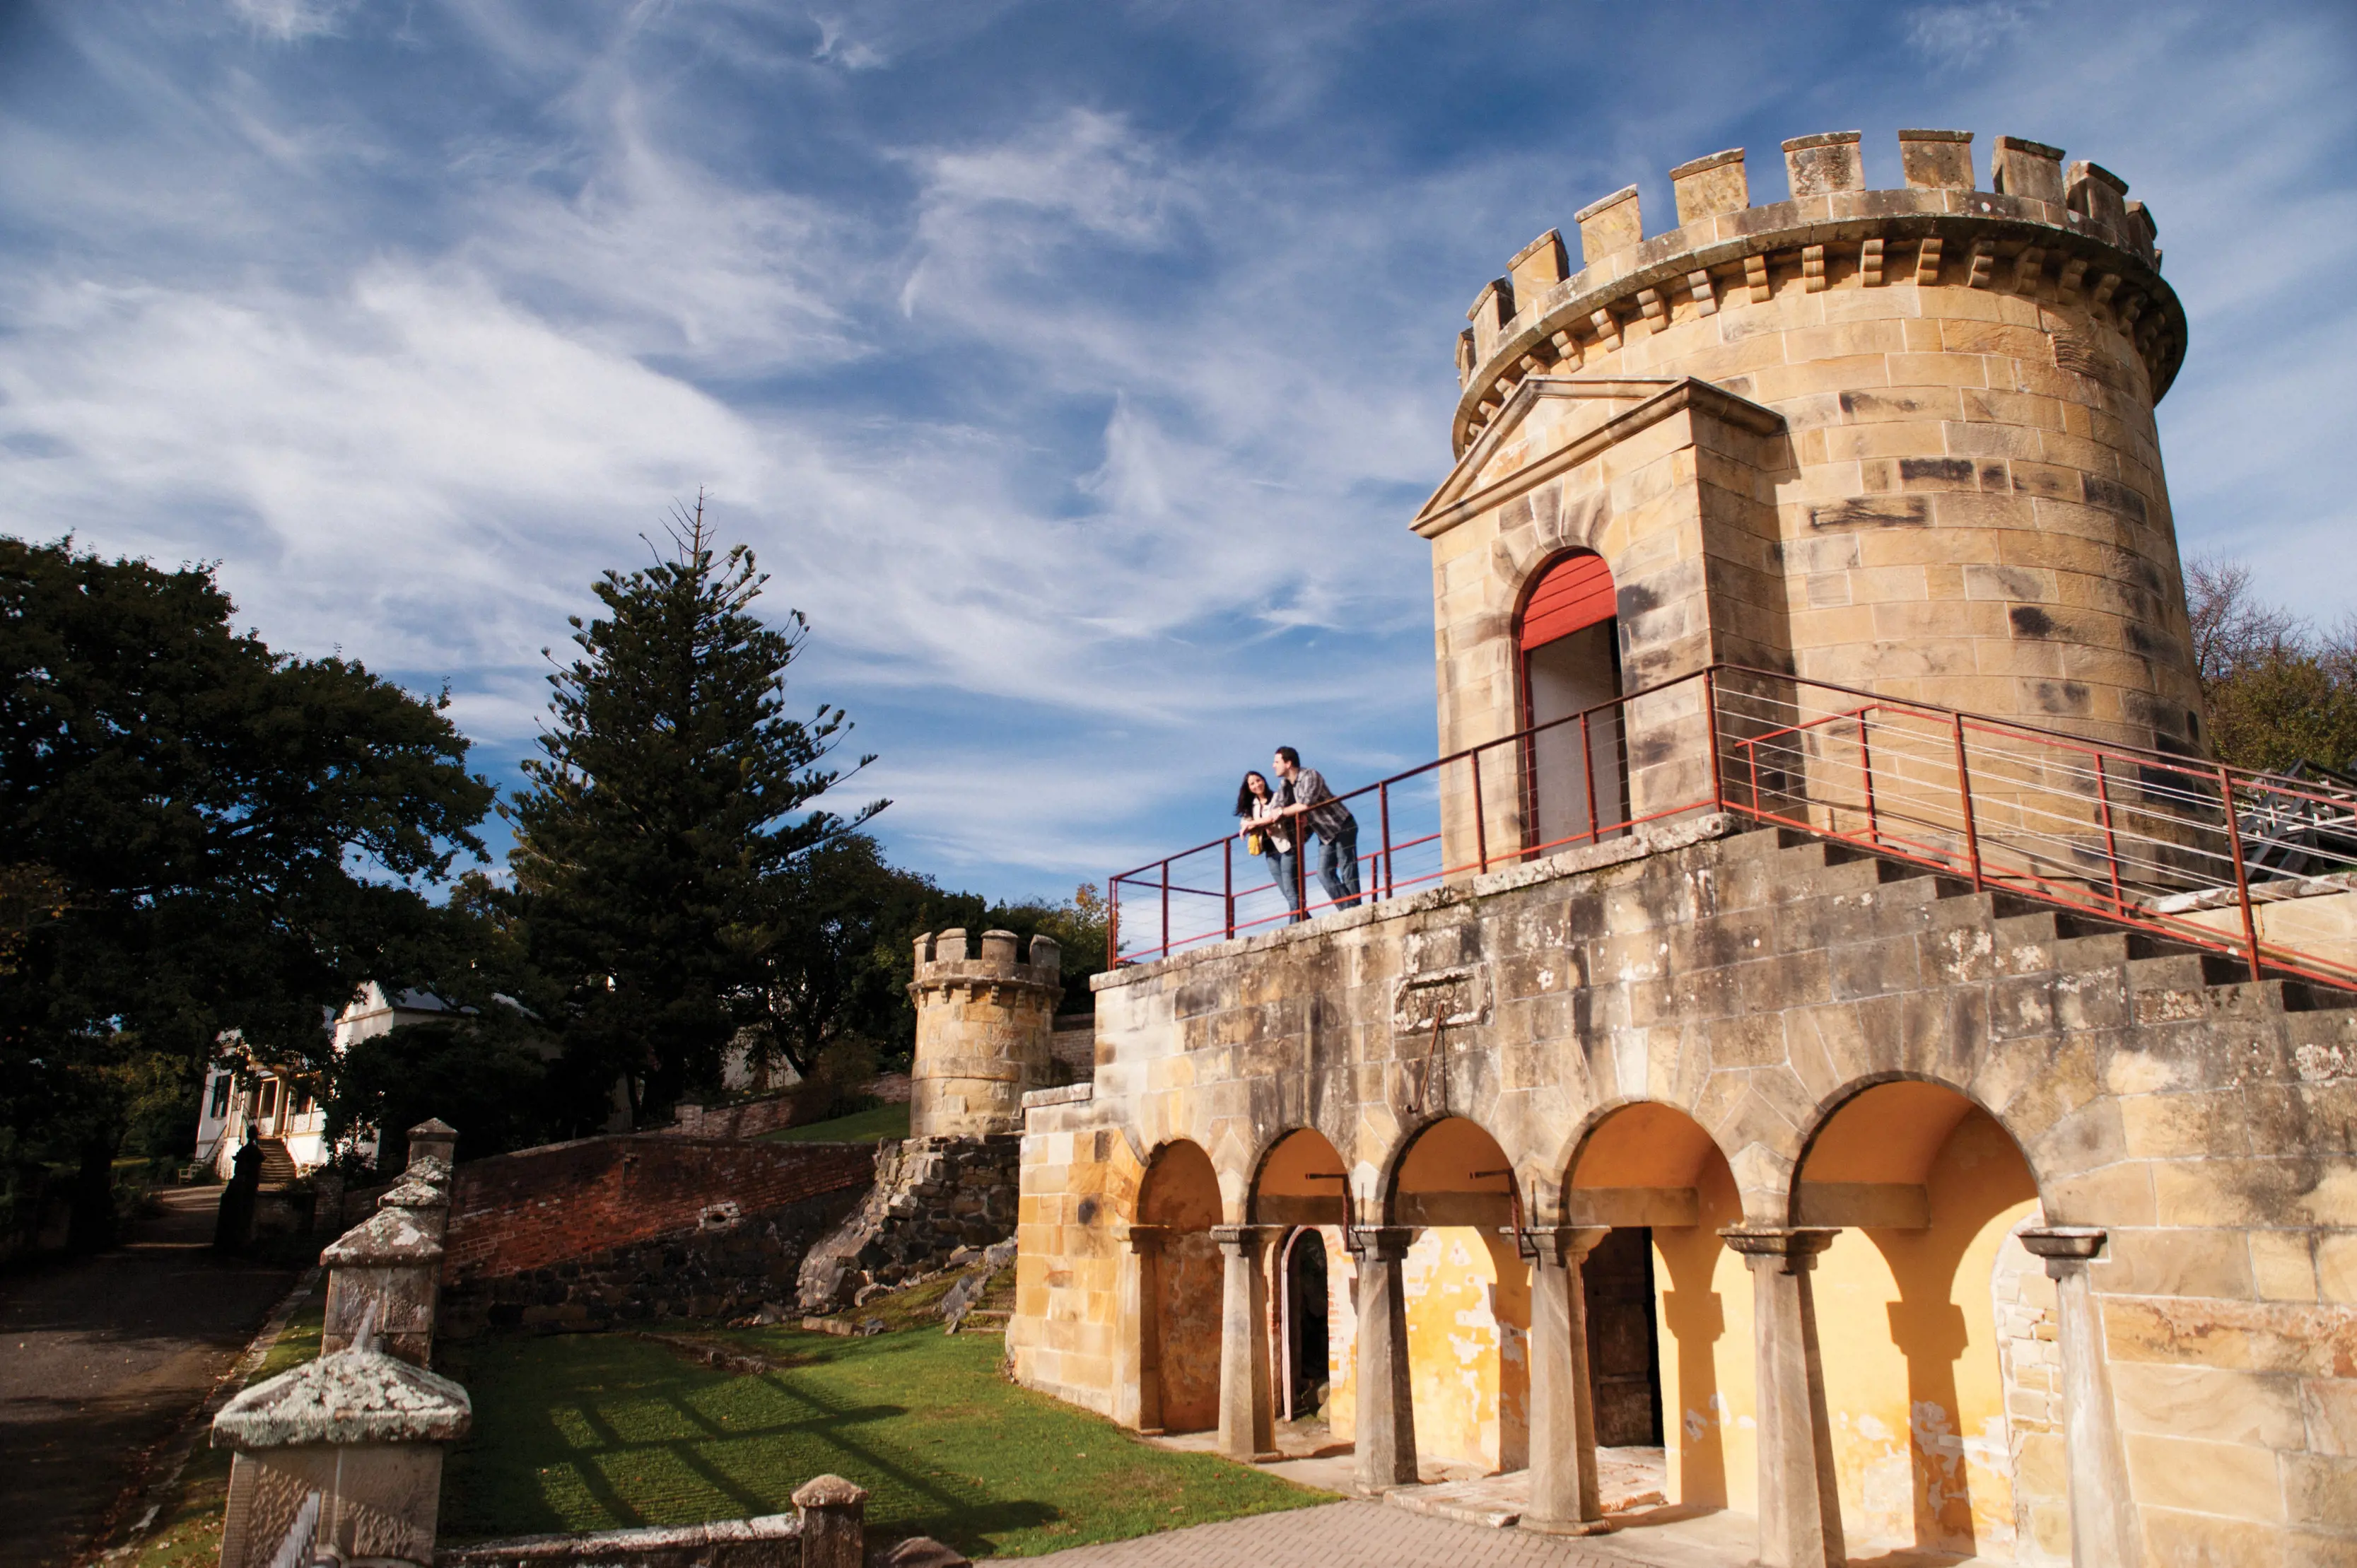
{"x": 1076, "y": 370}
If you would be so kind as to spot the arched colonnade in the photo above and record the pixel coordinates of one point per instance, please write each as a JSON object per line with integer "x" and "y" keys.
{"x": 1755, "y": 1333}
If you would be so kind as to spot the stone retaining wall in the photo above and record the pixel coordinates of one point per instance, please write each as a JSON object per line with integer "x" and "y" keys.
{"x": 931, "y": 1196}
{"x": 725, "y": 1268}
{"x": 538, "y": 1208}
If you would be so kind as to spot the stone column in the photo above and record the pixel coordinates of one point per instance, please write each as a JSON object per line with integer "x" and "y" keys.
{"x": 1800, "y": 1502}
{"x": 2103, "y": 1530}
{"x": 834, "y": 1517}
{"x": 1565, "y": 1498}
{"x": 1247, "y": 1429}
{"x": 1147, "y": 1241}
{"x": 345, "y": 1453}
{"x": 1386, "y": 1412}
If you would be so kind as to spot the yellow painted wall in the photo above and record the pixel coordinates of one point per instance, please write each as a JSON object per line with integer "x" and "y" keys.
{"x": 1702, "y": 1296}
{"x": 1913, "y": 1381}
{"x": 1469, "y": 1317}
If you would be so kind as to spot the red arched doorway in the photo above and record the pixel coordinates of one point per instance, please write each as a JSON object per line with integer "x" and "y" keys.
{"x": 1569, "y": 649}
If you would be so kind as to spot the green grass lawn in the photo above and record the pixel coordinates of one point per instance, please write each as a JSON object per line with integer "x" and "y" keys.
{"x": 590, "y": 1432}
{"x": 859, "y": 1127}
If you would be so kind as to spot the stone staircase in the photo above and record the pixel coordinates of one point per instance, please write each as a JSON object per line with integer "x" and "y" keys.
{"x": 277, "y": 1164}
{"x": 2168, "y": 977}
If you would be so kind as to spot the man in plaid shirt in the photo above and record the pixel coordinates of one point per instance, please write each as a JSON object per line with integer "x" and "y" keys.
{"x": 1306, "y": 797}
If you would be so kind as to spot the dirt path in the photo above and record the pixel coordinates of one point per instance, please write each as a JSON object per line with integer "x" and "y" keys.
{"x": 101, "y": 1356}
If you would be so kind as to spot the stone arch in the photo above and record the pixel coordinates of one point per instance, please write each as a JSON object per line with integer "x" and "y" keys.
{"x": 1466, "y": 1289}
{"x": 1927, "y": 1188}
{"x": 1832, "y": 1105}
{"x": 1179, "y": 1284}
{"x": 1300, "y": 1201}
{"x": 1665, "y": 1187}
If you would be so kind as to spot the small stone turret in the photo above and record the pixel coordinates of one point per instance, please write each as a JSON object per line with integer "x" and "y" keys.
{"x": 982, "y": 1028}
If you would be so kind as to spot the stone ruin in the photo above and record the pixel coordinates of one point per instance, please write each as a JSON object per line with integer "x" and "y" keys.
{"x": 985, "y": 1026}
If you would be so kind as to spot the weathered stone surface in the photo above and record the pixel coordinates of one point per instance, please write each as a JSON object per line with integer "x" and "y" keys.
{"x": 347, "y": 1397}
{"x": 931, "y": 1196}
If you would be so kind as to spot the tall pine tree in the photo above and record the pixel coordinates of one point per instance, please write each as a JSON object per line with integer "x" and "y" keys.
{"x": 671, "y": 790}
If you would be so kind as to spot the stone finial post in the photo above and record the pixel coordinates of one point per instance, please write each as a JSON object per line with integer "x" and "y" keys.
{"x": 433, "y": 1138}
{"x": 982, "y": 1029}
{"x": 2103, "y": 1532}
{"x": 1800, "y": 1500}
{"x": 833, "y": 1519}
{"x": 1566, "y": 1498}
{"x": 384, "y": 1278}
{"x": 344, "y": 1454}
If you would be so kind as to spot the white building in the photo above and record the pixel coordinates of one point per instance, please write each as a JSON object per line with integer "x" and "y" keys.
{"x": 284, "y": 1108}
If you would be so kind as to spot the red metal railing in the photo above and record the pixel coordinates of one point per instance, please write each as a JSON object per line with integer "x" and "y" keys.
{"x": 2192, "y": 849}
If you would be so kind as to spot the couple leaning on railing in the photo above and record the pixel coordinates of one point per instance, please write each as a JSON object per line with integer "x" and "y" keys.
{"x": 1274, "y": 821}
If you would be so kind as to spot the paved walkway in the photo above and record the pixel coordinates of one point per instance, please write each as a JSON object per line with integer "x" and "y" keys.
{"x": 1359, "y": 1534}
{"x": 101, "y": 1356}
{"x": 1338, "y": 1535}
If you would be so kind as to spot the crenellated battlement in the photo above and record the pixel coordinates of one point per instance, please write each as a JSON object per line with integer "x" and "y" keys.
{"x": 984, "y": 1023}
{"x": 947, "y": 959}
{"x": 2065, "y": 236}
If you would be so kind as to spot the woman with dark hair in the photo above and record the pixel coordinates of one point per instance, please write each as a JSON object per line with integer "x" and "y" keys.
{"x": 1269, "y": 836}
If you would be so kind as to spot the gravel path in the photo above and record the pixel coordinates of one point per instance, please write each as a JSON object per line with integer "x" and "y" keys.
{"x": 101, "y": 1356}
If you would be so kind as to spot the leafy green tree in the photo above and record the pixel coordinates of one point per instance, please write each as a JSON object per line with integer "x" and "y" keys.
{"x": 671, "y": 788}
{"x": 2278, "y": 692}
{"x": 204, "y": 837}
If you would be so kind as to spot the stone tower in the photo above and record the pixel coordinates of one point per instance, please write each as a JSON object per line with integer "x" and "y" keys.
{"x": 982, "y": 1029}
{"x": 1897, "y": 440}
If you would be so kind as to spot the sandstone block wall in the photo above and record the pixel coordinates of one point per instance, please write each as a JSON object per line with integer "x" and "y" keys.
{"x": 536, "y": 1208}
{"x": 1930, "y": 470}
{"x": 1748, "y": 987}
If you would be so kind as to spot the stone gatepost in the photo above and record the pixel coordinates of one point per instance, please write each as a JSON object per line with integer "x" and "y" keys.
{"x": 833, "y": 1514}
{"x": 984, "y": 1024}
{"x": 433, "y": 1138}
{"x": 384, "y": 1278}
{"x": 342, "y": 1456}
{"x": 385, "y": 1273}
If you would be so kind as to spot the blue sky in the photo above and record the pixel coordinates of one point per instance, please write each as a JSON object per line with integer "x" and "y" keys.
{"x": 1075, "y": 368}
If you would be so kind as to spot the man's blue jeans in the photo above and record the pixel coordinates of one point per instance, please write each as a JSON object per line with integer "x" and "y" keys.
{"x": 1337, "y": 867}
{"x": 1284, "y": 869}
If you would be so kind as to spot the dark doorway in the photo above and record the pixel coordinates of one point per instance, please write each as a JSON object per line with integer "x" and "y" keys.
{"x": 1621, "y": 1359}
{"x": 1307, "y": 1353}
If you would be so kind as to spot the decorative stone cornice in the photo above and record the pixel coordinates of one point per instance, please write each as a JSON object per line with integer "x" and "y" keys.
{"x": 2071, "y": 239}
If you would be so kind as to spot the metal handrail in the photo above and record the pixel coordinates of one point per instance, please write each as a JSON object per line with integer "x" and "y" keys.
{"x": 2094, "y": 827}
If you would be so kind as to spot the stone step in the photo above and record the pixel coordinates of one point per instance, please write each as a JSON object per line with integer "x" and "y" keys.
{"x": 2182, "y": 971}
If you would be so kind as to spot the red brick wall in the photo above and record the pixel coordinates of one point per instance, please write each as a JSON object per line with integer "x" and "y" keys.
{"x": 539, "y": 1207}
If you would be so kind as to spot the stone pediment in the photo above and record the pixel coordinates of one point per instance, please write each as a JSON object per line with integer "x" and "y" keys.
{"x": 1623, "y": 406}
